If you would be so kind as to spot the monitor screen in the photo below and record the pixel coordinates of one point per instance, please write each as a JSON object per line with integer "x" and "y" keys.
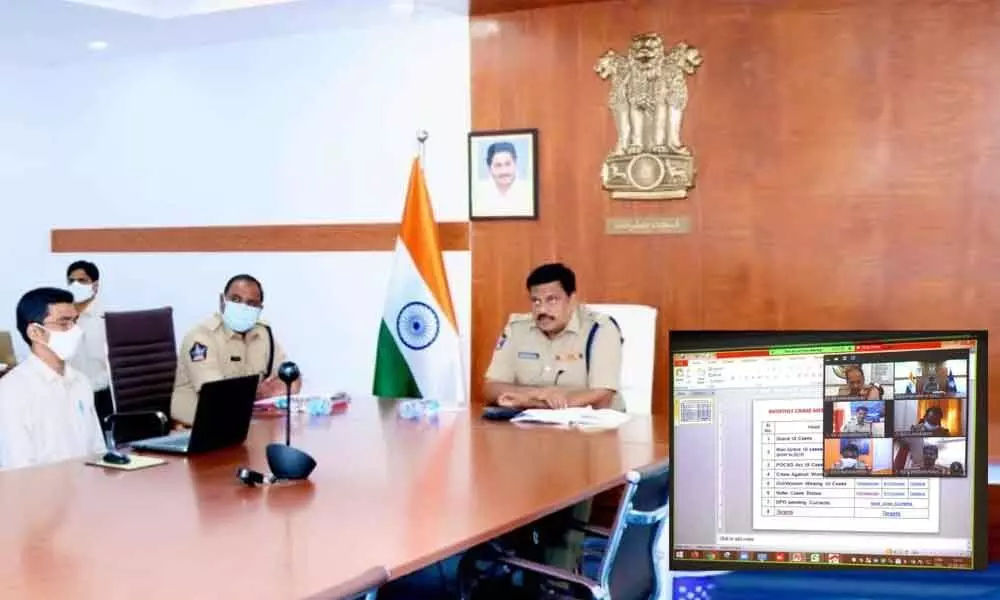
{"x": 828, "y": 450}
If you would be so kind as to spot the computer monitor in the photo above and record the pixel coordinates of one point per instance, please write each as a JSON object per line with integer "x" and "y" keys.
{"x": 828, "y": 450}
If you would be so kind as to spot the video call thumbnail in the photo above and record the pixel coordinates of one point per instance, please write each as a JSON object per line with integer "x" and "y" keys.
{"x": 857, "y": 457}
{"x": 931, "y": 379}
{"x": 929, "y": 417}
{"x": 930, "y": 457}
{"x": 863, "y": 381}
{"x": 857, "y": 418}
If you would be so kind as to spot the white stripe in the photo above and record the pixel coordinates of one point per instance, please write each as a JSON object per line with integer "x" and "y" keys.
{"x": 437, "y": 368}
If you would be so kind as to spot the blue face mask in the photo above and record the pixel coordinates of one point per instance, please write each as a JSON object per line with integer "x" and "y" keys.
{"x": 241, "y": 318}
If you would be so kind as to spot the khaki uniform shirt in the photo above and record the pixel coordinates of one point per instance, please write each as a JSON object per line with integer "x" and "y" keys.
{"x": 524, "y": 355}
{"x": 212, "y": 351}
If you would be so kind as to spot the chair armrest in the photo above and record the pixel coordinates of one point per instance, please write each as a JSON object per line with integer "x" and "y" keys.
{"x": 555, "y": 573}
{"x": 135, "y": 414}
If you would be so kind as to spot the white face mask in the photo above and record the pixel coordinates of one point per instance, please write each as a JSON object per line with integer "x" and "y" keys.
{"x": 241, "y": 318}
{"x": 929, "y": 427}
{"x": 81, "y": 291}
{"x": 848, "y": 463}
{"x": 64, "y": 344}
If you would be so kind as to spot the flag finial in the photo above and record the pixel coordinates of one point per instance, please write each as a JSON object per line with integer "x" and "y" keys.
{"x": 422, "y": 136}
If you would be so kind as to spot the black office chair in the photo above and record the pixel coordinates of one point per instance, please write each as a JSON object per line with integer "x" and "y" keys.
{"x": 628, "y": 567}
{"x": 363, "y": 587}
{"x": 142, "y": 364}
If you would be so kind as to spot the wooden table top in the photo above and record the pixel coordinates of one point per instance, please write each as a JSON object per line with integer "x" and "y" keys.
{"x": 386, "y": 492}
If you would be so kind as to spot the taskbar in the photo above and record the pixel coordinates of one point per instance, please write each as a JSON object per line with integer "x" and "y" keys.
{"x": 825, "y": 558}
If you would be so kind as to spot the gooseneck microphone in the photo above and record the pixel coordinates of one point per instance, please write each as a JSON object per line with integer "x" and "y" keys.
{"x": 285, "y": 461}
{"x": 288, "y": 373}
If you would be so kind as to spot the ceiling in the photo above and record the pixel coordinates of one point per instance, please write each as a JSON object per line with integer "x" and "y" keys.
{"x": 171, "y": 9}
{"x": 54, "y": 32}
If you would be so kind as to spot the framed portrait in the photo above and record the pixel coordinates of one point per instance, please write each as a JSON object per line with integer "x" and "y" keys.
{"x": 503, "y": 174}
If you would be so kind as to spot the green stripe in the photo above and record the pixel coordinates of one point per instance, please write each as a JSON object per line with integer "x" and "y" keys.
{"x": 393, "y": 378}
{"x": 832, "y": 349}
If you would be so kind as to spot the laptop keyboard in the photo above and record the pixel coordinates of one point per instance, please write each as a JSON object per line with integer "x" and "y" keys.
{"x": 171, "y": 441}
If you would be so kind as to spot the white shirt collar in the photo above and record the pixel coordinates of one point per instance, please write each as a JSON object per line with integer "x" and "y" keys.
{"x": 50, "y": 375}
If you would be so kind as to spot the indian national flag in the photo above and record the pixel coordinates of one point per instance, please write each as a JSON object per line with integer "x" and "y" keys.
{"x": 419, "y": 353}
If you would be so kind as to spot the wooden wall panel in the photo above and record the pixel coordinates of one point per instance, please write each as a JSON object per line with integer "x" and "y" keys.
{"x": 847, "y": 151}
{"x": 255, "y": 238}
{"x": 486, "y": 7}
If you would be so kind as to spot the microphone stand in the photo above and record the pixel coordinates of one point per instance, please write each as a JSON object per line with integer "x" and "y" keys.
{"x": 286, "y": 462}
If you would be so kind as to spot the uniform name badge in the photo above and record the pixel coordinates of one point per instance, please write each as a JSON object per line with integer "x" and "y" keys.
{"x": 529, "y": 355}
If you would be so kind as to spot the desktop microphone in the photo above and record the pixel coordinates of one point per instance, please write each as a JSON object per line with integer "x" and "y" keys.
{"x": 285, "y": 461}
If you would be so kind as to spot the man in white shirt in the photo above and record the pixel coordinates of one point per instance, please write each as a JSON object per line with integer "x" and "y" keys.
{"x": 83, "y": 280}
{"x": 46, "y": 406}
{"x": 503, "y": 194}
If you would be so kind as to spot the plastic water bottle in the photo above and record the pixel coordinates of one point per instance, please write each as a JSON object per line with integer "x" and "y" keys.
{"x": 316, "y": 407}
{"x": 415, "y": 410}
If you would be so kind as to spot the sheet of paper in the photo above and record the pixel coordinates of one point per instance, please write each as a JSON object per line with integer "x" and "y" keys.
{"x": 136, "y": 462}
{"x": 581, "y": 416}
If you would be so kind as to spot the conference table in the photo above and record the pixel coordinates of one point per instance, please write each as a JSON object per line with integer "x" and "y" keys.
{"x": 387, "y": 492}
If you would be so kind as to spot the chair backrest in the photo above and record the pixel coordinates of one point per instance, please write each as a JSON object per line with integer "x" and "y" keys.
{"x": 7, "y": 350}
{"x": 629, "y": 568}
{"x": 364, "y": 586}
{"x": 638, "y": 327}
{"x": 142, "y": 359}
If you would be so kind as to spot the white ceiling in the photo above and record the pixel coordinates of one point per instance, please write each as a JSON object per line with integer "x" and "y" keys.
{"x": 170, "y": 9}
{"x": 53, "y": 32}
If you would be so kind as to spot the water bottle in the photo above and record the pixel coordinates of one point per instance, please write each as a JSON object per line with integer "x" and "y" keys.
{"x": 317, "y": 407}
{"x": 415, "y": 410}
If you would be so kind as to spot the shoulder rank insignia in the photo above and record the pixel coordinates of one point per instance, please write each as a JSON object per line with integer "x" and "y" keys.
{"x": 198, "y": 352}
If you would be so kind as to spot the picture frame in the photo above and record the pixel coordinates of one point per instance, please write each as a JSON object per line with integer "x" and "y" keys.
{"x": 503, "y": 174}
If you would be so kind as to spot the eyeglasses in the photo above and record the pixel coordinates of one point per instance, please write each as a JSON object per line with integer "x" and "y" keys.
{"x": 61, "y": 324}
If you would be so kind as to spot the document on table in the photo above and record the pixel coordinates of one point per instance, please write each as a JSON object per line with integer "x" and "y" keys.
{"x": 579, "y": 416}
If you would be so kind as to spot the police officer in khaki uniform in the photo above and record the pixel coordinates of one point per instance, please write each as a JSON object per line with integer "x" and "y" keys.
{"x": 559, "y": 355}
{"x": 232, "y": 343}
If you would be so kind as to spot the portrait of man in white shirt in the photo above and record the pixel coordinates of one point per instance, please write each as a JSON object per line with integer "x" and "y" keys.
{"x": 46, "y": 406}
{"x": 503, "y": 177}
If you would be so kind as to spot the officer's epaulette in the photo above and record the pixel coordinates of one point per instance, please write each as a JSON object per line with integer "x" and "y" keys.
{"x": 520, "y": 318}
{"x": 597, "y": 316}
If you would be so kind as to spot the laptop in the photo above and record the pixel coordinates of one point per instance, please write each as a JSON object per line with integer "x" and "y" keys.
{"x": 222, "y": 419}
